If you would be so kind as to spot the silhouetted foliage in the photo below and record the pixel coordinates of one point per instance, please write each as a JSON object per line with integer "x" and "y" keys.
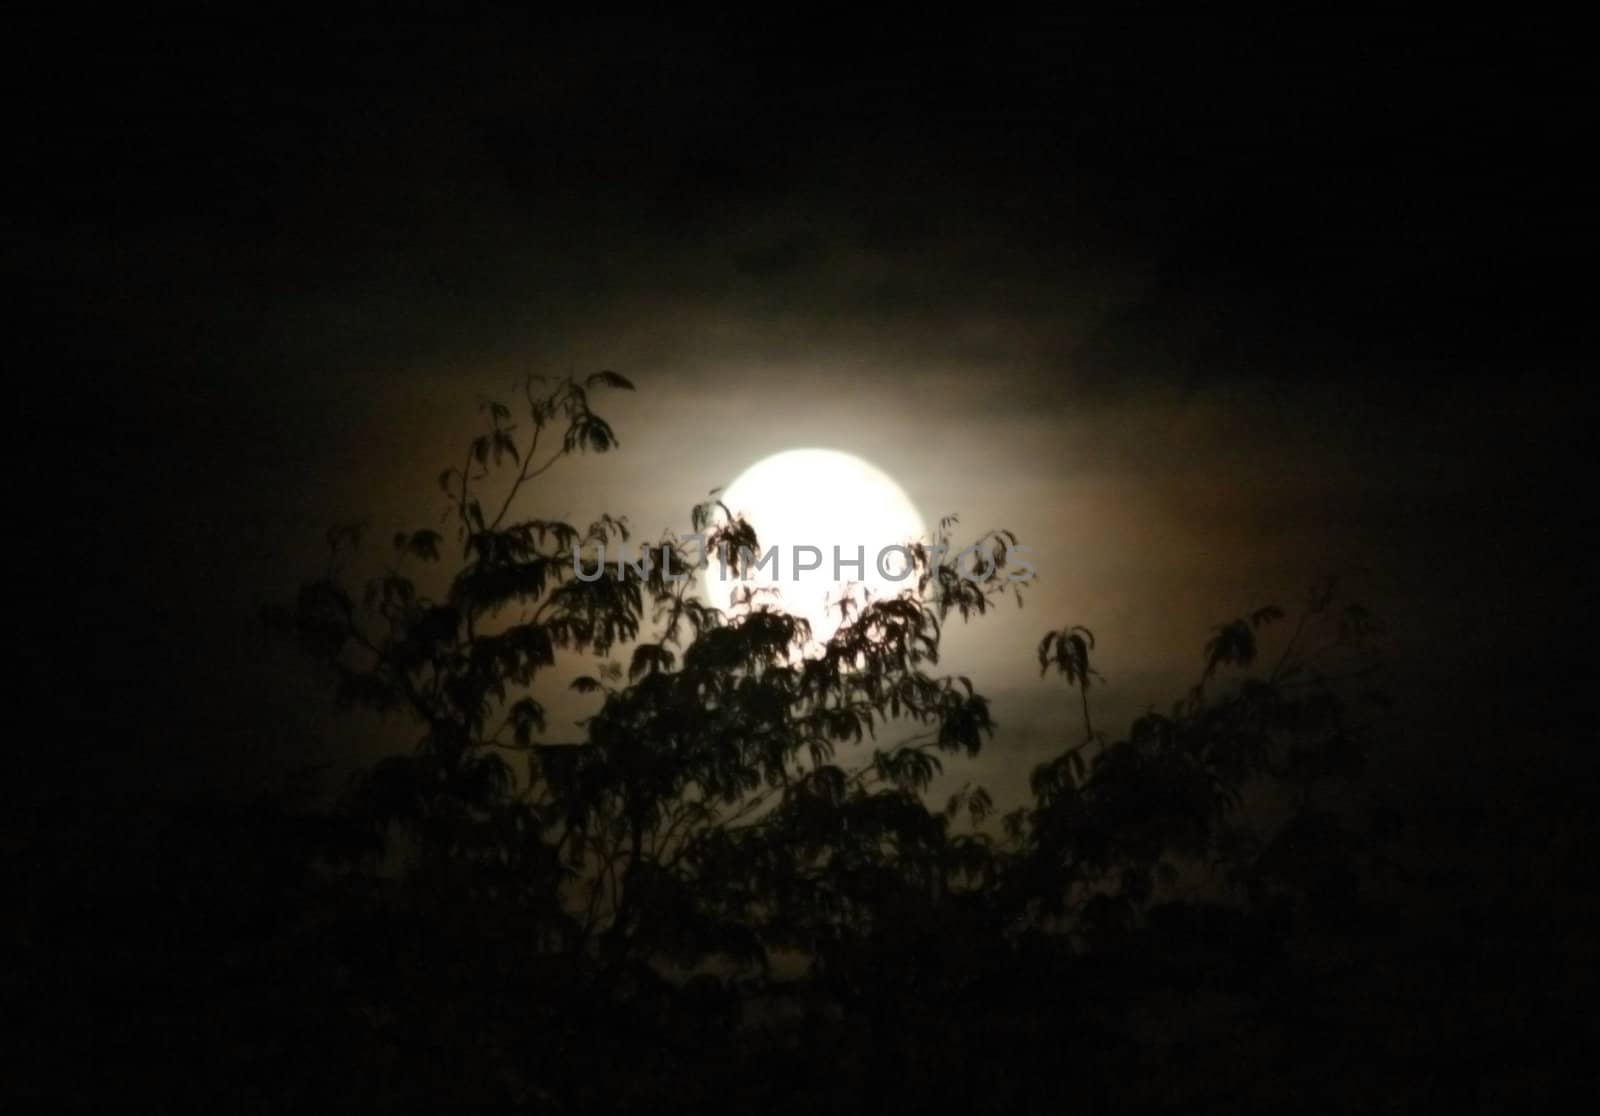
{"x": 499, "y": 915}
{"x": 704, "y": 814}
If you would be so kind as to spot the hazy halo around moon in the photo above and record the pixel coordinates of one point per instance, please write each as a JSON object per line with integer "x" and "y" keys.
{"x": 823, "y": 499}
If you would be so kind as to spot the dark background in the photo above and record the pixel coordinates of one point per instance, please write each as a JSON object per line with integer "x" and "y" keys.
{"x": 1203, "y": 307}
{"x": 254, "y": 256}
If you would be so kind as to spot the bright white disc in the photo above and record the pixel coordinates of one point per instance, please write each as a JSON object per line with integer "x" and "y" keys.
{"x": 828, "y": 509}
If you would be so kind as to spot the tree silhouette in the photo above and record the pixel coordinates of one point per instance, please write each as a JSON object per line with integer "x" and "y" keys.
{"x": 503, "y": 916}
{"x": 1103, "y": 830}
{"x": 704, "y": 813}
{"x": 738, "y": 792}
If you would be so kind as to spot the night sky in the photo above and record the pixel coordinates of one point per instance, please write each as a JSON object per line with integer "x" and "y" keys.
{"x": 1202, "y": 312}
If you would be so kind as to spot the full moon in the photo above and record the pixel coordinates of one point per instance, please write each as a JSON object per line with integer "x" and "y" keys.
{"x": 837, "y": 523}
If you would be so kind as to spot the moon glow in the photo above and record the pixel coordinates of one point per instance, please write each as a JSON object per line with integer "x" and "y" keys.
{"x": 841, "y": 516}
